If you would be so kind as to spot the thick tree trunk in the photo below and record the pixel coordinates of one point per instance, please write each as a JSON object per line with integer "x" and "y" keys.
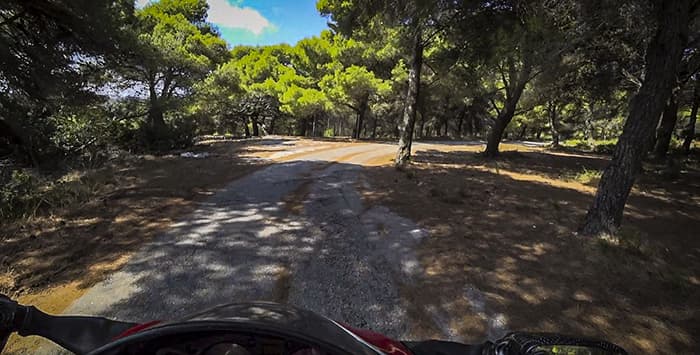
{"x": 553, "y": 123}
{"x": 664, "y": 132}
{"x": 156, "y": 127}
{"x": 662, "y": 63}
{"x": 508, "y": 111}
{"x": 409, "y": 114}
{"x": 690, "y": 129}
{"x": 502, "y": 121}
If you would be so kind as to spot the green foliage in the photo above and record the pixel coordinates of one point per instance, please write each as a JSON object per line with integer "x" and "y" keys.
{"x": 589, "y": 177}
{"x": 16, "y": 194}
{"x": 595, "y": 146}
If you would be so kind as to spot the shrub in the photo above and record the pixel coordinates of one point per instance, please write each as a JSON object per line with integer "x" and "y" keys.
{"x": 606, "y": 146}
{"x": 18, "y": 194}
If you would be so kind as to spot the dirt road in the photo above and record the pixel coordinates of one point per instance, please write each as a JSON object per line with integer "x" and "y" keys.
{"x": 295, "y": 232}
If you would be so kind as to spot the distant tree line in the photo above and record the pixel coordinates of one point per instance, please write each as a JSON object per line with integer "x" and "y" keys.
{"x": 81, "y": 76}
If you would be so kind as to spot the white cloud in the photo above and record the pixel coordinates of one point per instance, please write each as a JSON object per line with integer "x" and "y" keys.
{"x": 141, "y": 3}
{"x": 223, "y": 14}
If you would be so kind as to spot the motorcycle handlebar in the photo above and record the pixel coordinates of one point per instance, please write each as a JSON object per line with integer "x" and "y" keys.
{"x": 77, "y": 334}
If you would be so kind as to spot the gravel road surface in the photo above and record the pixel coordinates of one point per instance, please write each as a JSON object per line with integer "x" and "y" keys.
{"x": 332, "y": 255}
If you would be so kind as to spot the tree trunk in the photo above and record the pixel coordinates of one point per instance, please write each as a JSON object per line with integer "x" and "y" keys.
{"x": 460, "y": 122}
{"x": 374, "y": 127}
{"x": 156, "y": 127}
{"x": 589, "y": 130}
{"x": 553, "y": 123}
{"x": 664, "y": 132}
{"x": 662, "y": 63}
{"x": 523, "y": 130}
{"x": 256, "y": 129}
{"x": 409, "y": 114}
{"x": 690, "y": 129}
{"x": 421, "y": 128}
{"x": 508, "y": 111}
{"x": 301, "y": 126}
{"x": 245, "y": 127}
{"x": 272, "y": 124}
{"x": 502, "y": 121}
{"x": 313, "y": 126}
{"x": 470, "y": 124}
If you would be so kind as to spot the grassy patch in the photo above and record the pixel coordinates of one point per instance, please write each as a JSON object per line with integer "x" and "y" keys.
{"x": 589, "y": 177}
{"x": 600, "y": 146}
{"x": 27, "y": 194}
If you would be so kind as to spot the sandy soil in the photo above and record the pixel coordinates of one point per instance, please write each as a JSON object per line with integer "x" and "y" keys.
{"x": 503, "y": 254}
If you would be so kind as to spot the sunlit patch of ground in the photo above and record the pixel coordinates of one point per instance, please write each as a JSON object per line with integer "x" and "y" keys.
{"x": 504, "y": 230}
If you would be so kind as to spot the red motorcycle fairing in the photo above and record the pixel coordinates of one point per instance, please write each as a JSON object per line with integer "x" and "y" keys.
{"x": 137, "y": 328}
{"x": 385, "y": 344}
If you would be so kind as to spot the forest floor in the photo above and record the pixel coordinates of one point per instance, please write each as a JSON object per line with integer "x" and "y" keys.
{"x": 498, "y": 252}
{"x": 507, "y": 227}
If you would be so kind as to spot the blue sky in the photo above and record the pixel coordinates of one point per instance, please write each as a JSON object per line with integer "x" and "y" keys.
{"x": 262, "y": 22}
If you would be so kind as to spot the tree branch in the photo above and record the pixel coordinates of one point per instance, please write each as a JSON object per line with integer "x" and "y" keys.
{"x": 506, "y": 85}
{"x": 493, "y": 103}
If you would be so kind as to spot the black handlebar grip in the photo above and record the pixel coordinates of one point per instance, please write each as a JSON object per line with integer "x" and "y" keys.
{"x": 11, "y": 316}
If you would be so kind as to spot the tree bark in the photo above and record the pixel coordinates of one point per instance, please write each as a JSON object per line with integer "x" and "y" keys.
{"x": 301, "y": 126}
{"x": 403, "y": 155}
{"x": 523, "y": 130}
{"x": 589, "y": 131}
{"x": 245, "y": 127}
{"x": 690, "y": 129}
{"x": 272, "y": 124}
{"x": 502, "y": 121}
{"x": 460, "y": 122}
{"x": 313, "y": 125}
{"x": 156, "y": 127}
{"x": 421, "y": 128}
{"x": 664, "y": 132}
{"x": 553, "y": 123}
{"x": 374, "y": 126}
{"x": 256, "y": 129}
{"x": 662, "y": 64}
{"x": 361, "y": 112}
